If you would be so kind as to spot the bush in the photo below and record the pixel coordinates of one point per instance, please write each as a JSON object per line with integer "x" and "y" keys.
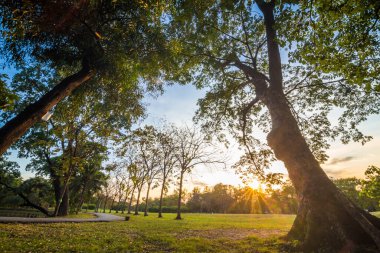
{"x": 89, "y": 206}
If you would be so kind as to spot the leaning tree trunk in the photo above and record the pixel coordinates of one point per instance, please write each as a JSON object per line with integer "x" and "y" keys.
{"x": 17, "y": 126}
{"x": 26, "y": 199}
{"x": 179, "y": 198}
{"x": 326, "y": 220}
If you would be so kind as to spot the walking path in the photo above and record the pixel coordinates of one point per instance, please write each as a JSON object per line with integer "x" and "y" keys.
{"x": 101, "y": 217}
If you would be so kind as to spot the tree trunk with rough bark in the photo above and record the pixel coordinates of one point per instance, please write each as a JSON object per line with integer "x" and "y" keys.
{"x": 17, "y": 126}
{"x": 179, "y": 198}
{"x": 60, "y": 197}
{"x": 64, "y": 206}
{"x": 326, "y": 220}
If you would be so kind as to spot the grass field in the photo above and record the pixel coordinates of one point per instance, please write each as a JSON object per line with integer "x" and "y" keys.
{"x": 195, "y": 233}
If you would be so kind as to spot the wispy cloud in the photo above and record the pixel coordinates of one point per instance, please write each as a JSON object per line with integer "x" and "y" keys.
{"x": 199, "y": 183}
{"x": 335, "y": 173}
{"x": 340, "y": 160}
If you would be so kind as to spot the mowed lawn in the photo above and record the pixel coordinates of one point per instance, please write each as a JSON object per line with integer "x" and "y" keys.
{"x": 195, "y": 233}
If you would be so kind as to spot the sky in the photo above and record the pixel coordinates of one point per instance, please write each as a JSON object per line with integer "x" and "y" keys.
{"x": 179, "y": 103}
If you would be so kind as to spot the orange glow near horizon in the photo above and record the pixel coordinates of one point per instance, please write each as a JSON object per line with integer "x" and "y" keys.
{"x": 257, "y": 185}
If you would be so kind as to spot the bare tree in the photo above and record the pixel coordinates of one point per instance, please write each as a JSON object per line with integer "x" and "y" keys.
{"x": 192, "y": 149}
{"x": 165, "y": 142}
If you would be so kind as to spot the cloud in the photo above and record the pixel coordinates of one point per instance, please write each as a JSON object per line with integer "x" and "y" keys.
{"x": 335, "y": 173}
{"x": 340, "y": 160}
{"x": 198, "y": 183}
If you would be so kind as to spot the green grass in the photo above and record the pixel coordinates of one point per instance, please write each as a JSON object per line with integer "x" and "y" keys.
{"x": 195, "y": 233}
{"x": 376, "y": 213}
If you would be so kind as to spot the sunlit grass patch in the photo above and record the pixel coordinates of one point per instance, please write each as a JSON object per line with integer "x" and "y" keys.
{"x": 195, "y": 233}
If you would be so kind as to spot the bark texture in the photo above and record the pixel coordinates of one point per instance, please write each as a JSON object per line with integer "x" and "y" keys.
{"x": 17, "y": 126}
{"x": 326, "y": 220}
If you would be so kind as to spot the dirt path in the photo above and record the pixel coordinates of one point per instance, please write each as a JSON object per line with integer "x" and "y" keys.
{"x": 101, "y": 217}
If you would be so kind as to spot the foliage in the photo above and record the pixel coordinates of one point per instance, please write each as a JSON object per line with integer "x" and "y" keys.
{"x": 38, "y": 190}
{"x": 7, "y": 98}
{"x": 9, "y": 176}
{"x": 371, "y": 184}
{"x": 343, "y": 38}
{"x": 223, "y": 42}
{"x": 122, "y": 40}
{"x": 353, "y": 189}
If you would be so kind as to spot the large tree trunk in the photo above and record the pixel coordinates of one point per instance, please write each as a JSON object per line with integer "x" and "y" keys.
{"x": 179, "y": 198}
{"x": 61, "y": 195}
{"x": 326, "y": 220}
{"x": 161, "y": 197}
{"x": 64, "y": 206}
{"x": 17, "y": 126}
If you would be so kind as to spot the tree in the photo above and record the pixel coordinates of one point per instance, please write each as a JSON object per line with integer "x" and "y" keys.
{"x": 233, "y": 47}
{"x": 39, "y": 191}
{"x": 167, "y": 161}
{"x": 191, "y": 149}
{"x": 76, "y": 136}
{"x": 371, "y": 183}
{"x": 10, "y": 180}
{"x": 113, "y": 42}
{"x": 86, "y": 183}
{"x": 145, "y": 142}
{"x": 353, "y": 189}
{"x": 7, "y": 98}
